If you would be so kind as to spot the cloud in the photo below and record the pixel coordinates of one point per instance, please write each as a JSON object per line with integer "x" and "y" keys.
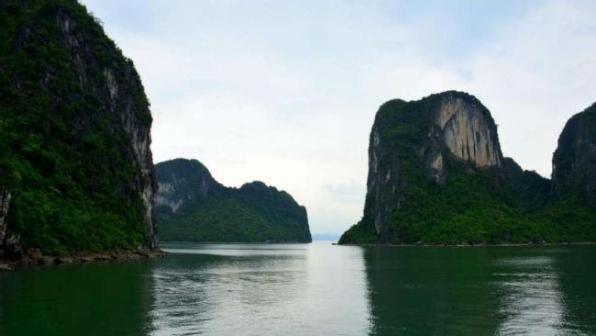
{"x": 286, "y": 92}
{"x": 536, "y": 75}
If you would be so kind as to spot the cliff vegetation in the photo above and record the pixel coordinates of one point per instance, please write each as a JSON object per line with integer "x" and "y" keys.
{"x": 192, "y": 206}
{"x": 74, "y": 134}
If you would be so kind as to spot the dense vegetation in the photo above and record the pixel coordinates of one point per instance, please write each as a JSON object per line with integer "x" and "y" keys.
{"x": 494, "y": 205}
{"x": 192, "y": 206}
{"x": 64, "y": 152}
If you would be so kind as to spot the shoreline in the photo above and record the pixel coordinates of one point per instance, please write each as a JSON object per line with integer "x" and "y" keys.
{"x": 469, "y": 245}
{"x": 35, "y": 260}
{"x": 162, "y": 243}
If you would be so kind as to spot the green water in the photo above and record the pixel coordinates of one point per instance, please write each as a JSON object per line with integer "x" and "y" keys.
{"x": 314, "y": 289}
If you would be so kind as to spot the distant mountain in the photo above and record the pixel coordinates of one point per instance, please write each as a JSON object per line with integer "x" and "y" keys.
{"x": 191, "y": 205}
{"x": 437, "y": 176}
{"x": 76, "y": 171}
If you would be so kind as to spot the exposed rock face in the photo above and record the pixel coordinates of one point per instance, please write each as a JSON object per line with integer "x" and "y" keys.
{"x": 181, "y": 181}
{"x": 384, "y": 182}
{"x": 468, "y": 130}
{"x": 121, "y": 87}
{"x": 10, "y": 241}
{"x": 4, "y": 206}
{"x": 448, "y": 123}
{"x": 574, "y": 161}
{"x": 87, "y": 133}
{"x": 191, "y": 205}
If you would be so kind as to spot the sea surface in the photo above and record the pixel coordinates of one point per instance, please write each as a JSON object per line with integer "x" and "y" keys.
{"x": 311, "y": 289}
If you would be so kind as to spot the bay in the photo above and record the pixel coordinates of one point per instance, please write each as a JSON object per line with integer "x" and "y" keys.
{"x": 311, "y": 289}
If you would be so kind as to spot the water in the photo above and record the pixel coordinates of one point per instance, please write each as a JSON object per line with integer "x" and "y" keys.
{"x": 314, "y": 289}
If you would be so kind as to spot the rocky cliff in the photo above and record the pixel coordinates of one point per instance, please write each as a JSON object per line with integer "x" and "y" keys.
{"x": 8, "y": 241}
{"x": 574, "y": 161}
{"x": 467, "y": 129}
{"x": 192, "y": 206}
{"x": 75, "y": 133}
{"x": 451, "y": 124}
{"x": 437, "y": 175}
{"x": 183, "y": 181}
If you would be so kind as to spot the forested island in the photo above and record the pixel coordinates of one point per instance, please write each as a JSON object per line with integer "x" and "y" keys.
{"x": 192, "y": 206}
{"x": 76, "y": 168}
{"x": 437, "y": 175}
{"x": 77, "y": 178}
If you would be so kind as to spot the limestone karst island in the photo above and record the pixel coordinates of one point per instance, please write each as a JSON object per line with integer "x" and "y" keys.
{"x": 437, "y": 175}
{"x": 191, "y": 205}
{"x": 221, "y": 168}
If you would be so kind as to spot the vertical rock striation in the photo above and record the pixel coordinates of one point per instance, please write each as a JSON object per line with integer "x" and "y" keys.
{"x": 182, "y": 181}
{"x": 384, "y": 181}
{"x": 468, "y": 130}
{"x": 4, "y": 207}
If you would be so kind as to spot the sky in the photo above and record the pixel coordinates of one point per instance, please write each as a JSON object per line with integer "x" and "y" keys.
{"x": 286, "y": 91}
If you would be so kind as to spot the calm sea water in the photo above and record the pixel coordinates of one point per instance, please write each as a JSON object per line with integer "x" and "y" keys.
{"x": 314, "y": 289}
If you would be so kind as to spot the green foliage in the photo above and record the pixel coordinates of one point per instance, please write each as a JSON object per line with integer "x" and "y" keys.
{"x": 211, "y": 212}
{"x": 223, "y": 220}
{"x": 361, "y": 233}
{"x": 63, "y": 155}
{"x": 227, "y": 218}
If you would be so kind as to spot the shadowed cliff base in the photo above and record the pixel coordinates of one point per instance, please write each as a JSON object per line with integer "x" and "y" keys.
{"x": 33, "y": 258}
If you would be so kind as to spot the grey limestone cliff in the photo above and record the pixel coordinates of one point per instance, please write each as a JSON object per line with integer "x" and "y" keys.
{"x": 452, "y": 123}
{"x": 437, "y": 175}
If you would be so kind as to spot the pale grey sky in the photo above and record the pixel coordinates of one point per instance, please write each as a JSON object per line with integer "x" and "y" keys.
{"x": 286, "y": 91}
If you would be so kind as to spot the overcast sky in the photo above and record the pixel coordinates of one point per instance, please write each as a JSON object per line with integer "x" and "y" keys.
{"x": 286, "y": 91}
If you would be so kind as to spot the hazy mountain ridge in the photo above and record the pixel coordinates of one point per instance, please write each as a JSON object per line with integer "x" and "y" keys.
{"x": 192, "y": 206}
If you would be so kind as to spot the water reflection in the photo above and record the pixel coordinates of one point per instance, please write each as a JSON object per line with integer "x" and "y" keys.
{"x": 430, "y": 291}
{"x": 99, "y": 299}
{"x": 577, "y": 285}
{"x": 260, "y": 290}
{"x": 531, "y": 298}
{"x": 548, "y": 291}
{"x": 314, "y": 289}
{"x": 481, "y": 291}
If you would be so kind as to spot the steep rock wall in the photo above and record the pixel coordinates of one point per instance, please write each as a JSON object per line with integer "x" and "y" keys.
{"x": 574, "y": 161}
{"x": 468, "y": 131}
{"x": 76, "y": 133}
{"x": 182, "y": 181}
{"x": 4, "y": 207}
{"x": 450, "y": 123}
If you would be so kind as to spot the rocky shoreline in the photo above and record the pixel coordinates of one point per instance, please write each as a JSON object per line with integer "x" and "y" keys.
{"x": 35, "y": 259}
